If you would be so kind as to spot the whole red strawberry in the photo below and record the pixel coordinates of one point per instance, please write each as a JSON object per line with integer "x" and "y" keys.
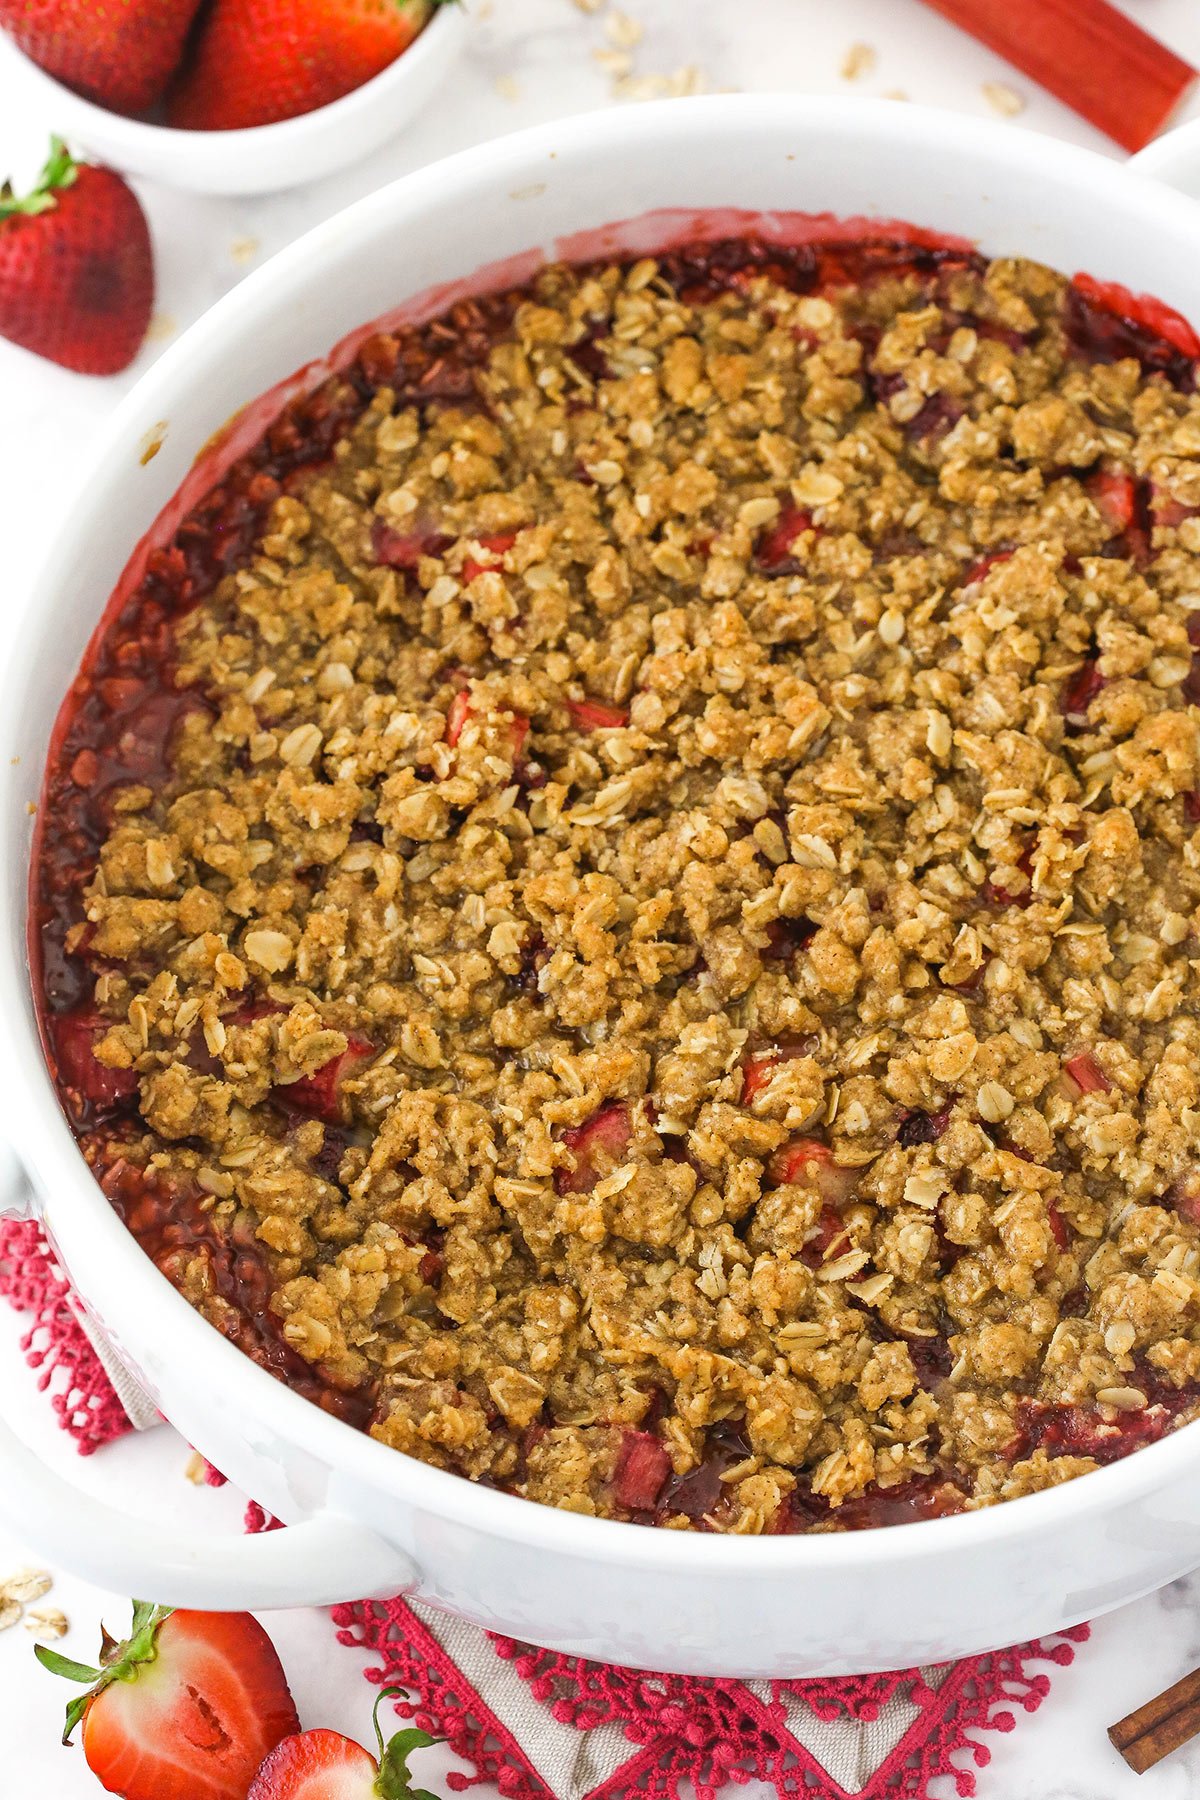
{"x": 76, "y": 267}
{"x": 185, "y": 1710}
{"x": 258, "y": 61}
{"x": 121, "y": 53}
{"x": 324, "y": 1765}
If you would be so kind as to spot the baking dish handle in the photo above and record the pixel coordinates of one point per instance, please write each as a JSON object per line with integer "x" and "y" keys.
{"x": 323, "y": 1560}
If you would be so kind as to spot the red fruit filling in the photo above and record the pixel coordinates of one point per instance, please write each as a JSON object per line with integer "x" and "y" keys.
{"x": 1099, "y": 1432}
{"x": 641, "y": 1471}
{"x": 979, "y": 569}
{"x": 460, "y": 711}
{"x": 921, "y": 1497}
{"x": 597, "y": 715}
{"x": 773, "y": 552}
{"x": 319, "y": 1095}
{"x": 404, "y": 549}
{"x": 1105, "y": 323}
{"x": 1060, "y": 1231}
{"x": 598, "y": 1146}
{"x": 757, "y": 1070}
{"x": 1080, "y": 691}
{"x": 1087, "y": 1074}
{"x": 699, "y": 1493}
{"x": 495, "y": 546}
{"x": 92, "y": 1090}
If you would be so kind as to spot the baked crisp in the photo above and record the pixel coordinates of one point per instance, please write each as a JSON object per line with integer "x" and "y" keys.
{"x": 621, "y": 905}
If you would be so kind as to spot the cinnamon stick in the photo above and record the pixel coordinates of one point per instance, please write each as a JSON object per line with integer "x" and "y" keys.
{"x": 1089, "y": 55}
{"x": 1164, "y": 1724}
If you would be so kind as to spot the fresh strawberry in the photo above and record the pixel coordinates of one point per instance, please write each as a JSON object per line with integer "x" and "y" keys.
{"x": 598, "y": 1145}
{"x": 258, "y": 61}
{"x": 185, "y": 1710}
{"x": 121, "y": 56}
{"x": 319, "y": 1094}
{"x": 324, "y": 1765}
{"x": 76, "y": 267}
{"x": 496, "y": 546}
{"x": 597, "y": 715}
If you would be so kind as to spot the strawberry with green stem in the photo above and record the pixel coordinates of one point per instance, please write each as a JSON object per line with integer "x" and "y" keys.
{"x": 324, "y": 1765}
{"x": 186, "y": 1709}
{"x": 76, "y": 267}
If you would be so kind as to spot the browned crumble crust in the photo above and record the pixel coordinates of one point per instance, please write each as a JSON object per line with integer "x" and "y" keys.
{"x": 772, "y": 862}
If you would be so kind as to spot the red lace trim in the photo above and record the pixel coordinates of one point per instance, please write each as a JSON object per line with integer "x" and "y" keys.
{"x": 686, "y": 1734}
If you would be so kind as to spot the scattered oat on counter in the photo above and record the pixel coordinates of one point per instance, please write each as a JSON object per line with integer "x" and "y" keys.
{"x": 20, "y": 1590}
{"x": 196, "y": 1469}
{"x": 244, "y": 250}
{"x": 623, "y": 31}
{"x": 507, "y": 87}
{"x": 47, "y": 1624}
{"x": 859, "y": 60}
{"x": 1003, "y": 99}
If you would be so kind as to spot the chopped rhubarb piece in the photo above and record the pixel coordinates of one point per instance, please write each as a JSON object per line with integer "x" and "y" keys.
{"x": 1115, "y": 494}
{"x": 97, "y": 1087}
{"x": 773, "y": 552}
{"x": 404, "y": 549}
{"x": 979, "y": 569}
{"x": 1060, "y": 1231}
{"x": 808, "y": 1159}
{"x": 1080, "y": 691}
{"x": 456, "y": 718}
{"x": 1087, "y": 1074}
{"x": 597, "y": 1145}
{"x": 597, "y": 715}
{"x": 496, "y": 545}
{"x": 758, "y": 1069}
{"x": 319, "y": 1095}
{"x": 1184, "y": 1198}
{"x": 642, "y": 1469}
{"x": 1096, "y": 1430}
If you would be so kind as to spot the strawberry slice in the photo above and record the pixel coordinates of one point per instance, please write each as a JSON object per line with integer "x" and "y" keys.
{"x": 324, "y": 1765}
{"x": 404, "y": 549}
{"x": 597, "y": 715}
{"x": 74, "y": 1036}
{"x": 319, "y": 1095}
{"x": 496, "y": 546}
{"x": 1087, "y": 1074}
{"x": 643, "y": 1466}
{"x": 185, "y": 1710}
{"x": 773, "y": 552}
{"x": 598, "y": 1145}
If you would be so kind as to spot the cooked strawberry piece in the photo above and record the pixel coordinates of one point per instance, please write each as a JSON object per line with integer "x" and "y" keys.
{"x": 97, "y": 1087}
{"x": 404, "y": 549}
{"x": 807, "y": 1160}
{"x": 1115, "y": 494}
{"x": 460, "y": 711}
{"x": 597, "y": 715}
{"x": 598, "y": 1145}
{"x": 757, "y": 1069}
{"x": 773, "y": 552}
{"x": 496, "y": 545}
{"x": 319, "y": 1095}
{"x": 790, "y": 1161}
{"x": 1086, "y": 1073}
{"x": 1095, "y": 1430}
{"x": 642, "y": 1467}
{"x": 1080, "y": 691}
{"x": 189, "y": 1706}
{"x": 979, "y": 569}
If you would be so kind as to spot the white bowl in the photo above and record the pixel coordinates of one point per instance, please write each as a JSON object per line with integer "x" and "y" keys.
{"x": 263, "y": 158}
{"x": 366, "y": 1519}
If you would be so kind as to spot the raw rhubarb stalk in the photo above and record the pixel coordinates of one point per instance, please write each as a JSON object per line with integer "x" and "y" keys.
{"x": 1090, "y": 56}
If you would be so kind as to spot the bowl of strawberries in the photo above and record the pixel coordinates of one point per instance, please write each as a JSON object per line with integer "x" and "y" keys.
{"x": 231, "y": 96}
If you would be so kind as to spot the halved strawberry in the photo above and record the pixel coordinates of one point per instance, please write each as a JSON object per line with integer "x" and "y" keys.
{"x": 598, "y": 1145}
{"x": 597, "y": 715}
{"x": 497, "y": 544}
{"x": 324, "y": 1765}
{"x": 319, "y": 1094}
{"x": 1087, "y": 1074}
{"x": 74, "y": 1036}
{"x": 643, "y": 1466}
{"x": 773, "y": 552}
{"x": 185, "y": 1710}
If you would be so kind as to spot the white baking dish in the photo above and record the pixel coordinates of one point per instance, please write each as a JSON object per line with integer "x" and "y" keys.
{"x": 368, "y": 1520}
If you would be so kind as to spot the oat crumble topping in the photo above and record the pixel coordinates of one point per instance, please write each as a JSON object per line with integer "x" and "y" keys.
{"x": 633, "y": 930}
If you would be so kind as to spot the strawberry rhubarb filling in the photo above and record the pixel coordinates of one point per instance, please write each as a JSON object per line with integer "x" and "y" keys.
{"x": 620, "y": 906}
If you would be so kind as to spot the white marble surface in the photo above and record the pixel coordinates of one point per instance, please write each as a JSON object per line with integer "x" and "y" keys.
{"x": 528, "y": 60}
